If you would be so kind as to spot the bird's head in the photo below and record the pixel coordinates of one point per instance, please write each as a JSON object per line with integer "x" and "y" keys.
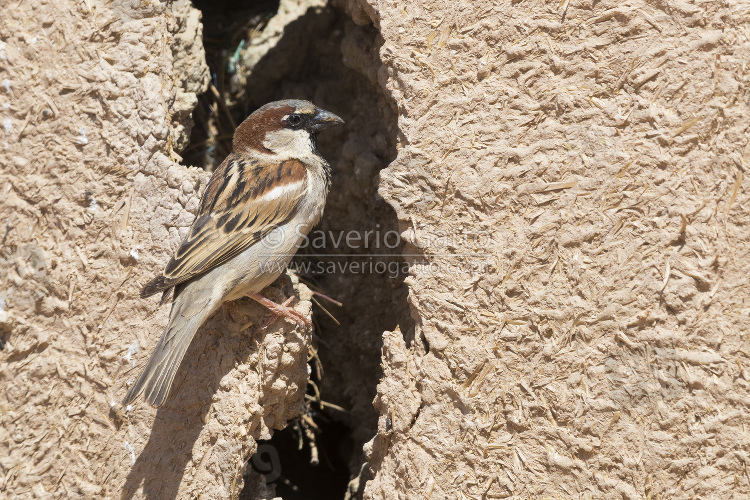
{"x": 283, "y": 128}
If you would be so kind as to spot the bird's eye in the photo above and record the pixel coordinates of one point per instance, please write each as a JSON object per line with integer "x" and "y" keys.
{"x": 294, "y": 120}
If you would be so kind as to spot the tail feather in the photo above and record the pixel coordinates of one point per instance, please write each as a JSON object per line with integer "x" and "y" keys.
{"x": 156, "y": 379}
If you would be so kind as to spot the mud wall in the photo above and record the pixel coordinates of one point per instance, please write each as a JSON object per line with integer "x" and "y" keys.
{"x": 602, "y": 147}
{"x": 568, "y": 182}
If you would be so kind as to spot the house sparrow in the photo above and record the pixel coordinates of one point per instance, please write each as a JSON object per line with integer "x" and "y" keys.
{"x": 257, "y": 208}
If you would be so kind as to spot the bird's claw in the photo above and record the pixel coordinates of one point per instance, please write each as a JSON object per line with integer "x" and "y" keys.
{"x": 282, "y": 310}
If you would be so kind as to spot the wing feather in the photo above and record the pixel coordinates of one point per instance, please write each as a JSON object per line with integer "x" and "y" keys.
{"x": 244, "y": 200}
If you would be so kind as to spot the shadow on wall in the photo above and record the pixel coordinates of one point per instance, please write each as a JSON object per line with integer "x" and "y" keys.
{"x": 162, "y": 463}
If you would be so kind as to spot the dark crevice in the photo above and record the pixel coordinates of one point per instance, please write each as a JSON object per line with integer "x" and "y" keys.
{"x": 314, "y": 60}
{"x": 425, "y": 344}
{"x": 286, "y": 460}
{"x": 416, "y": 415}
{"x": 226, "y": 23}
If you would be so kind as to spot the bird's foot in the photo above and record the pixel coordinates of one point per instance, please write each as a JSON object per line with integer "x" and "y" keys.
{"x": 280, "y": 310}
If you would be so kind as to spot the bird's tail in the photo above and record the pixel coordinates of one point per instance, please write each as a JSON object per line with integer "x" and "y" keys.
{"x": 155, "y": 381}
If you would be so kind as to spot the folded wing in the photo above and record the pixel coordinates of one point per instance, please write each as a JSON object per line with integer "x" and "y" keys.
{"x": 244, "y": 201}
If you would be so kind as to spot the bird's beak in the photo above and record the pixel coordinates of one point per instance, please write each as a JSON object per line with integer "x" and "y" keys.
{"x": 324, "y": 119}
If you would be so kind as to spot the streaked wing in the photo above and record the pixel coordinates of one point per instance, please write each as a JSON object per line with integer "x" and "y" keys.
{"x": 245, "y": 200}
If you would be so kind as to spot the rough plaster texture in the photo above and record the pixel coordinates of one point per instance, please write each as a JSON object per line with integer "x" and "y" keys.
{"x": 600, "y": 146}
{"x": 93, "y": 204}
